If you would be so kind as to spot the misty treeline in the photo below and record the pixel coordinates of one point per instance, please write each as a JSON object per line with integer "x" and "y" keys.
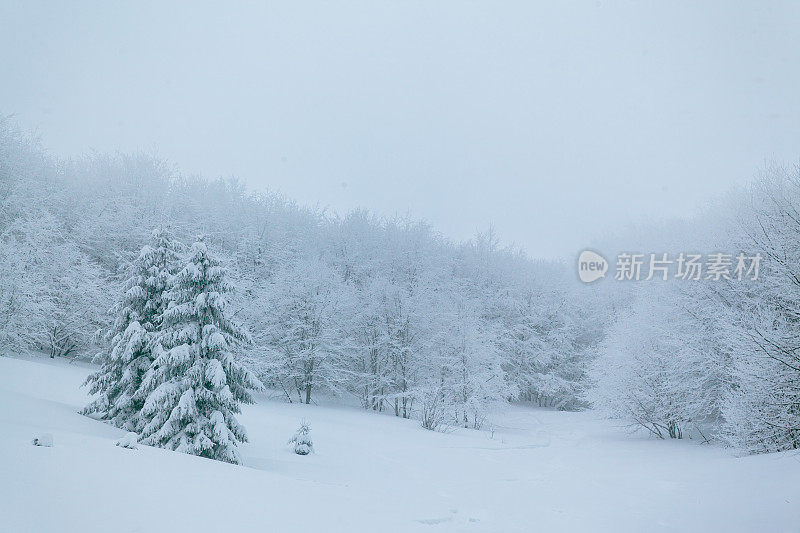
{"x": 386, "y": 312}
{"x": 716, "y": 359}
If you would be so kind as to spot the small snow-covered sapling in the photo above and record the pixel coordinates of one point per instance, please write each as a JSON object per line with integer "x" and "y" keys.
{"x": 302, "y": 440}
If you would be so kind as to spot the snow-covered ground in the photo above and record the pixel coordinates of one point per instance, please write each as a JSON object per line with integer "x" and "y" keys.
{"x": 538, "y": 471}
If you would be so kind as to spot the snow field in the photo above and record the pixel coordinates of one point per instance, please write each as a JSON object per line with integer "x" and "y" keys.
{"x": 537, "y": 470}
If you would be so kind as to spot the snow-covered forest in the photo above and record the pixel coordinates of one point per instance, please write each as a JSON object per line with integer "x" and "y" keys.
{"x": 98, "y": 265}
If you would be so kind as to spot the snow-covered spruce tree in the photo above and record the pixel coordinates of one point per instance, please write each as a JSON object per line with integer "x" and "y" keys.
{"x": 301, "y": 440}
{"x": 134, "y": 335}
{"x": 197, "y": 385}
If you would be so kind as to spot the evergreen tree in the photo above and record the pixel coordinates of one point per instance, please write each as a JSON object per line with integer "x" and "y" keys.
{"x": 197, "y": 385}
{"x": 301, "y": 440}
{"x": 134, "y": 335}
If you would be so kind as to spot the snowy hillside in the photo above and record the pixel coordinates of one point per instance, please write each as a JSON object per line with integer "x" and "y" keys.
{"x": 538, "y": 470}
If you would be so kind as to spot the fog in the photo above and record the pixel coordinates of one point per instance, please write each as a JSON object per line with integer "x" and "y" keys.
{"x": 556, "y": 123}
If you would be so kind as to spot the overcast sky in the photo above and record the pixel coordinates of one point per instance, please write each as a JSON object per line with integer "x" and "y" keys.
{"x": 556, "y": 122}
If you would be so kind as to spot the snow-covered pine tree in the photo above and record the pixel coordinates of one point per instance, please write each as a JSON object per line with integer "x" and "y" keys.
{"x": 197, "y": 385}
{"x": 134, "y": 335}
{"x": 301, "y": 440}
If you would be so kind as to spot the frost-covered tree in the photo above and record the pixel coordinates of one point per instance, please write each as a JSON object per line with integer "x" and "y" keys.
{"x": 25, "y": 306}
{"x": 545, "y": 329}
{"x": 762, "y": 412}
{"x": 196, "y": 384}
{"x": 51, "y": 292}
{"x": 306, "y": 342}
{"x": 661, "y": 366}
{"x": 405, "y": 309}
{"x": 540, "y": 343}
{"x": 462, "y": 376}
{"x": 135, "y": 334}
{"x": 369, "y": 360}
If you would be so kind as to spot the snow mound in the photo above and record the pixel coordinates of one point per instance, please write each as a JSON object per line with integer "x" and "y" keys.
{"x": 129, "y": 441}
{"x": 45, "y": 439}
